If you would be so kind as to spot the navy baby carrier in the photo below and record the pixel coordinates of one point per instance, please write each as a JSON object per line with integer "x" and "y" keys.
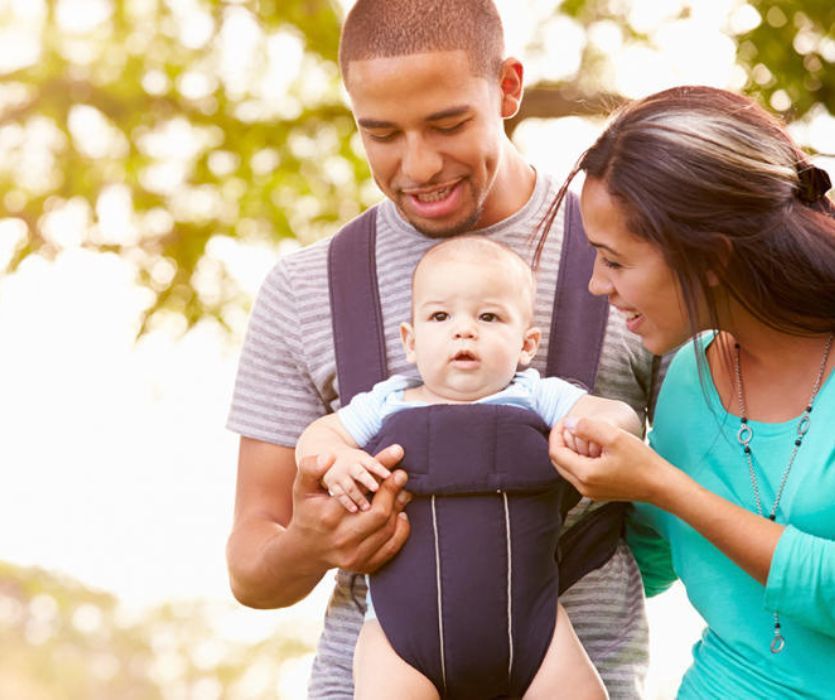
{"x": 470, "y": 600}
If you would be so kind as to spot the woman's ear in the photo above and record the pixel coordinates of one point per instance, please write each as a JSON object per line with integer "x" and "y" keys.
{"x": 407, "y": 337}
{"x": 530, "y": 344}
{"x": 724, "y": 250}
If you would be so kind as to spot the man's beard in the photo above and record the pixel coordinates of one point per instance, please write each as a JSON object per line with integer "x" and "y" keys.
{"x": 466, "y": 226}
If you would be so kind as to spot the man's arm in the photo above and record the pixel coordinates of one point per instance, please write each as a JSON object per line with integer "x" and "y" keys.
{"x": 287, "y": 532}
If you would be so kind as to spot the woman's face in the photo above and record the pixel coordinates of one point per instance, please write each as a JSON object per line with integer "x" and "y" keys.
{"x": 632, "y": 273}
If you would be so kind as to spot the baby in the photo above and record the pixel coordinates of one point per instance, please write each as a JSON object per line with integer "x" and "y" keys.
{"x": 471, "y": 330}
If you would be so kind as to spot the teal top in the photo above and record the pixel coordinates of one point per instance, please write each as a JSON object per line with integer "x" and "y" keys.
{"x": 693, "y": 431}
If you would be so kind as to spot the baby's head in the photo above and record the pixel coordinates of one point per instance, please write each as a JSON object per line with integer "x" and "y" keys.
{"x": 472, "y": 315}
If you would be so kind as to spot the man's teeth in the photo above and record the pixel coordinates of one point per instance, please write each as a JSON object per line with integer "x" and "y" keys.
{"x": 435, "y": 196}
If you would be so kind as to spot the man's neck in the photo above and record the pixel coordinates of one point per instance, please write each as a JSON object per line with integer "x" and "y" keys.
{"x": 511, "y": 190}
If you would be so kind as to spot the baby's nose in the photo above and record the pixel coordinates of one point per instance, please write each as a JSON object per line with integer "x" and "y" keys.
{"x": 465, "y": 330}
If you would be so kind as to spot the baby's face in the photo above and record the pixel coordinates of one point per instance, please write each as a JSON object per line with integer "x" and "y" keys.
{"x": 471, "y": 327}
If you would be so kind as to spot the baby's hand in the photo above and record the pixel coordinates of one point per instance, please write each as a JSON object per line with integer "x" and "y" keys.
{"x": 564, "y": 432}
{"x": 352, "y": 468}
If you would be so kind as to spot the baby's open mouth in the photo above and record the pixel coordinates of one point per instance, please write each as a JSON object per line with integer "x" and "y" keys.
{"x": 464, "y": 356}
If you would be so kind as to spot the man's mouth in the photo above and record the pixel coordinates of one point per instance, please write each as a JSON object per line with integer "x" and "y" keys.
{"x": 435, "y": 196}
{"x": 434, "y": 202}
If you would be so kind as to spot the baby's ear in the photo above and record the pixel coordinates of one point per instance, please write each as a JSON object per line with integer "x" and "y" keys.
{"x": 530, "y": 344}
{"x": 407, "y": 337}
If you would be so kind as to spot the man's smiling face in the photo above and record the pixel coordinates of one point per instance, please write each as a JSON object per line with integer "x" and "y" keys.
{"x": 432, "y": 132}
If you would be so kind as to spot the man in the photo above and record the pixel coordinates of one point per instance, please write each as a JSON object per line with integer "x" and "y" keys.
{"x": 429, "y": 88}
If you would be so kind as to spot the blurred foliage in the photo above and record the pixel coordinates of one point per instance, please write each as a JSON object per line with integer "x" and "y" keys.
{"x": 792, "y": 51}
{"x": 170, "y": 131}
{"x": 62, "y": 641}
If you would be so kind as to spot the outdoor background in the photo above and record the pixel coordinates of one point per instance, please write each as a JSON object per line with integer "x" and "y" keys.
{"x": 156, "y": 157}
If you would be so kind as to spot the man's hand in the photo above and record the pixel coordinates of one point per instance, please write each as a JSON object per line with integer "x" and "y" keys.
{"x": 360, "y": 542}
{"x": 288, "y": 532}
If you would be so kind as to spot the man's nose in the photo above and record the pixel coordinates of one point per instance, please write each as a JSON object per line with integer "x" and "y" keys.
{"x": 421, "y": 162}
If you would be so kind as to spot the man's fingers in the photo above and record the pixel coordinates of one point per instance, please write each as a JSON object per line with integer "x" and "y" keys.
{"x": 385, "y": 497}
{"x": 392, "y": 545}
{"x": 390, "y": 457}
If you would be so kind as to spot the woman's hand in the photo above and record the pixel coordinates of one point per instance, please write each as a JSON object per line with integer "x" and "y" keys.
{"x": 625, "y": 470}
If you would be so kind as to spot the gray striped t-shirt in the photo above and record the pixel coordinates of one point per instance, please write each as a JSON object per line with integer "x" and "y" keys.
{"x": 287, "y": 378}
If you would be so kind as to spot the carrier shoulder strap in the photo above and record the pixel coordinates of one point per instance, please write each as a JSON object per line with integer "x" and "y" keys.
{"x": 578, "y": 328}
{"x": 578, "y": 320}
{"x": 358, "y": 335}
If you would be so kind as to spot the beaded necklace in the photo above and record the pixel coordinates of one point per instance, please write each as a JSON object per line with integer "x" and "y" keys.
{"x": 744, "y": 436}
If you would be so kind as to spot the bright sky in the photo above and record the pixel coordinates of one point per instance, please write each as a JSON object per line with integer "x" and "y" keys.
{"x": 114, "y": 464}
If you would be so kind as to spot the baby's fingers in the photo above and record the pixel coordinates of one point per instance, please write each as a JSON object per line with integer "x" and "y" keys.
{"x": 375, "y": 467}
{"x": 336, "y": 491}
{"x": 360, "y": 475}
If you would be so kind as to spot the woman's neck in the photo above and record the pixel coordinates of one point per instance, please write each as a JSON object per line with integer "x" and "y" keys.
{"x": 778, "y": 369}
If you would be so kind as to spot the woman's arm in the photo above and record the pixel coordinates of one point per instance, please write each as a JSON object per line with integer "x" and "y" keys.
{"x": 629, "y": 470}
{"x": 797, "y": 568}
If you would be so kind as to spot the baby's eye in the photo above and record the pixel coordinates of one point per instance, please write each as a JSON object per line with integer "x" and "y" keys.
{"x": 488, "y": 316}
{"x": 439, "y": 316}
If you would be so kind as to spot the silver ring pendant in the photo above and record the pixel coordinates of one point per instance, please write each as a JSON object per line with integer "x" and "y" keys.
{"x": 777, "y": 643}
{"x": 803, "y": 426}
{"x": 744, "y": 434}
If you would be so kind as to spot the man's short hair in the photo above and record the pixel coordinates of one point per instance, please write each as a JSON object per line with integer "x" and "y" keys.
{"x": 386, "y": 28}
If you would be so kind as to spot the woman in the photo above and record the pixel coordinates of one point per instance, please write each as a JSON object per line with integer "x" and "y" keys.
{"x": 713, "y": 229}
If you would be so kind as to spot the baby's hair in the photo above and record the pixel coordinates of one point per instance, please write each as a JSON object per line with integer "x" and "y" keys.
{"x": 386, "y": 28}
{"x": 474, "y": 247}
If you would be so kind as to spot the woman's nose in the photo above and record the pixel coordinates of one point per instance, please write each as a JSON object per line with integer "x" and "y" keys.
{"x": 600, "y": 284}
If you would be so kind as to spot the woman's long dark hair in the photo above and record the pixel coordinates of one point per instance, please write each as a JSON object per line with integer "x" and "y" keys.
{"x": 718, "y": 185}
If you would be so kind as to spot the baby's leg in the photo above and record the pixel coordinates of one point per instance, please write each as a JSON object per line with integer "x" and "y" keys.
{"x": 380, "y": 673}
{"x": 566, "y": 671}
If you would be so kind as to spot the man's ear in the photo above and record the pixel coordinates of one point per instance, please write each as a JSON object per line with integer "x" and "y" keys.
{"x": 530, "y": 344}
{"x": 511, "y": 83}
{"x": 407, "y": 337}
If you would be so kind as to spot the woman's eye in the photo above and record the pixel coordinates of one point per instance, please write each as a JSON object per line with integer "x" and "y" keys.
{"x": 611, "y": 264}
{"x": 439, "y": 316}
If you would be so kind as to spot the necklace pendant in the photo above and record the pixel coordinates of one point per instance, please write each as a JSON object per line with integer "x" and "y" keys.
{"x": 778, "y": 643}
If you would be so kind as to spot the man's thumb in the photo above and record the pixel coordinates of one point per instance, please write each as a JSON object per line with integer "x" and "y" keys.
{"x": 311, "y": 470}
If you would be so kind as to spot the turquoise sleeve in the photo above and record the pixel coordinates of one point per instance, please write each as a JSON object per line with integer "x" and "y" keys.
{"x": 650, "y": 549}
{"x": 801, "y": 581}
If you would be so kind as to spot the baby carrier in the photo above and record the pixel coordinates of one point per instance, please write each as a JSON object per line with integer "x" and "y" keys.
{"x": 470, "y": 600}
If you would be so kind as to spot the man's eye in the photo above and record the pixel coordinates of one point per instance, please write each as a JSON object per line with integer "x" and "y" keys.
{"x": 381, "y": 137}
{"x": 451, "y": 129}
{"x": 439, "y": 316}
{"x": 489, "y": 317}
